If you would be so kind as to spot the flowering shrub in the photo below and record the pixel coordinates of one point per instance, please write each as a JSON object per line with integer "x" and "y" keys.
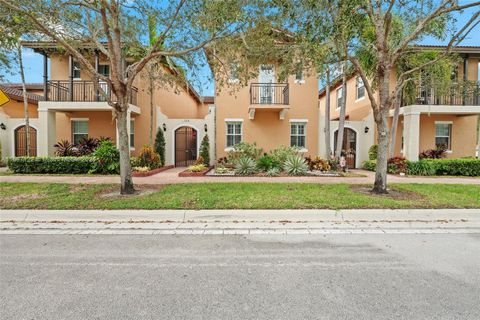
{"x": 437, "y": 153}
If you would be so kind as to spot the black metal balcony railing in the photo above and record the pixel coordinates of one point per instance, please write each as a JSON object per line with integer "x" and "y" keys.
{"x": 81, "y": 90}
{"x": 466, "y": 93}
{"x": 269, "y": 93}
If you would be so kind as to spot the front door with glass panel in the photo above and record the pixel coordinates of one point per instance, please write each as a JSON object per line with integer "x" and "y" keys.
{"x": 266, "y": 78}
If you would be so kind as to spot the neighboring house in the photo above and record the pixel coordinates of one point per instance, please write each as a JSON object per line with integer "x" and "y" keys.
{"x": 66, "y": 107}
{"x": 268, "y": 112}
{"x": 430, "y": 120}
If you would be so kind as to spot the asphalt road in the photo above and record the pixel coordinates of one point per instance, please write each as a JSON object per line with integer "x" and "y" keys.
{"x": 236, "y": 277}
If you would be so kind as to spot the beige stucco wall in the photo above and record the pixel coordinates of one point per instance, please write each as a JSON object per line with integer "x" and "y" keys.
{"x": 266, "y": 129}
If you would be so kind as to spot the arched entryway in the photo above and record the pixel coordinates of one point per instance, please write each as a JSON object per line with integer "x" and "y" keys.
{"x": 21, "y": 141}
{"x": 349, "y": 146}
{"x": 185, "y": 146}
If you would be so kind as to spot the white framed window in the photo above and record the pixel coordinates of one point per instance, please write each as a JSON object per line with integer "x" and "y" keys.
{"x": 76, "y": 70}
{"x": 298, "y": 134}
{"x": 234, "y": 133}
{"x": 79, "y": 130}
{"x": 339, "y": 97}
{"x": 132, "y": 134}
{"x": 443, "y": 135}
{"x": 360, "y": 88}
{"x": 104, "y": 69}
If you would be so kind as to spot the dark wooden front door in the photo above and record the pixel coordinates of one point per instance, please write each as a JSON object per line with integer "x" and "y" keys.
{"x": 349, "y": 146}
{"x": 21, "y": 141}
{"x": 185, "y": 146}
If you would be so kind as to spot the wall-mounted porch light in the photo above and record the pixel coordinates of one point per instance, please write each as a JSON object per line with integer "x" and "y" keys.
{"x": 367, "y": 129}
{"x": 3, "y": 126}
{"x": 164, "y": 127}
{"x": 205, "y": 127}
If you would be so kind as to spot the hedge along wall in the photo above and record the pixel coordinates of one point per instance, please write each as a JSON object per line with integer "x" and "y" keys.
{"x": 432, "y": 167}
{"x": 65, "y": 165}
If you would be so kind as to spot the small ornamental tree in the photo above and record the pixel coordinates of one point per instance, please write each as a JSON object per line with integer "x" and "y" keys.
{"x": 160, "y": 146}
{"x": 205, "y": 150}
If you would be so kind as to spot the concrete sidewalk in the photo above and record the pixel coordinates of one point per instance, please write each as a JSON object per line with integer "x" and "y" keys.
{"x": 171, "y": 177}
{"x": 240, "y": 221}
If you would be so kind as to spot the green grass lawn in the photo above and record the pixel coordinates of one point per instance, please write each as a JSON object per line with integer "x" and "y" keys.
{"x": 236, "y": 196}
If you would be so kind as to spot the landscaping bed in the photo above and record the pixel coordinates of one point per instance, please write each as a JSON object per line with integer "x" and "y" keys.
{"x": 236, "y": 196}
{"x": 151, "y": 172}
{"x": 199, "y": 173}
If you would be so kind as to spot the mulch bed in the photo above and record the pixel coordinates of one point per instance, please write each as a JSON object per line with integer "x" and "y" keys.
{"x": 392, "y": 193}
{"x": 151, "y": 172}
{"x": 140, "y": 190}
{"x": 187, "y": 173}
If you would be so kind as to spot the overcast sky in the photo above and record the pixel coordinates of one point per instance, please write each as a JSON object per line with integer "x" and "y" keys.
{"x": 34, "y": 62}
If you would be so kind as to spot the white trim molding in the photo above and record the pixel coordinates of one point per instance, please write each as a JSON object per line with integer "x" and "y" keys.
{"x": 299, "y": 120}
{"x": 233, "y": 120}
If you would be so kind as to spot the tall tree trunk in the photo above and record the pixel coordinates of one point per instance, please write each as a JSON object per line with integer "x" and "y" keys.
{"x": 125, "y": 166}
{"x": 150, "y": 90}
{"x": 328, "y": 147}
{"x": 396, "y": 114}
{"x": 381, "y": 120}
{"x": 25, "y": 100}
{"x": 343, "y": 107}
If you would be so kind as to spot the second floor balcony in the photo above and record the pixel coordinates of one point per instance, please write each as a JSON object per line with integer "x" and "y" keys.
{"x": 466, "y": 93}
{"x": 269, "y": 94}
{"x": 269, "y": 97}
{"x": 82, "y": 91}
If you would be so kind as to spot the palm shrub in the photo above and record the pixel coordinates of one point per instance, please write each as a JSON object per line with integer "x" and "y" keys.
{"x": 160, "y": 146}
{"x": 205, "y": 150}
{"x": 245, "y": 166}
{"x": 107, "y": 158}
{"x": 295, "y": 165}
{"x": 266, "y": 163}
{"x": 149, "y": 158}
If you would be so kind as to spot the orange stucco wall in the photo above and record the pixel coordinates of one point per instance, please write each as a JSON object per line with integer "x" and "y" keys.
{"x": 14, "y": 109}
{"x": 463, "y": 134}
{"x": 266, "y": 129}
{"x": 174, "y": 102}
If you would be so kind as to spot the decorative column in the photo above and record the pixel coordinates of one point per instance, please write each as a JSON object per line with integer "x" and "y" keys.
{"x": 45, "y": 76}
{"x": 411, "y": 134}
{"x": 46, "y": 132}
{"x": 70, "y": 78}
{"x": 97, "y": 63}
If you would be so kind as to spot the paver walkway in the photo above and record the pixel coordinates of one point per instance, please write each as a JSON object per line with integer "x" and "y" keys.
{"x": 171, "y": 177}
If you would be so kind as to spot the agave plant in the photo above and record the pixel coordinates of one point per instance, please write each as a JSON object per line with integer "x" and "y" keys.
{"x": 245, "y": 166}
{"x": 273, "y": 172}
{"x": 65, "y": 149}
{"x": 295, "y": 165}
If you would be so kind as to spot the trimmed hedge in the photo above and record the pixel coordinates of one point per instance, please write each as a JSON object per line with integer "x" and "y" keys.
{"x": 439, "y": 167}
{"x": 59, "y": 165}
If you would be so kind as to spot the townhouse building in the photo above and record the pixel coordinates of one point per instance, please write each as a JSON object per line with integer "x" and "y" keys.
{"x": 265, "y": 110}
{"x": 429, "y": 118}
{"x": 66, "y": 106}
